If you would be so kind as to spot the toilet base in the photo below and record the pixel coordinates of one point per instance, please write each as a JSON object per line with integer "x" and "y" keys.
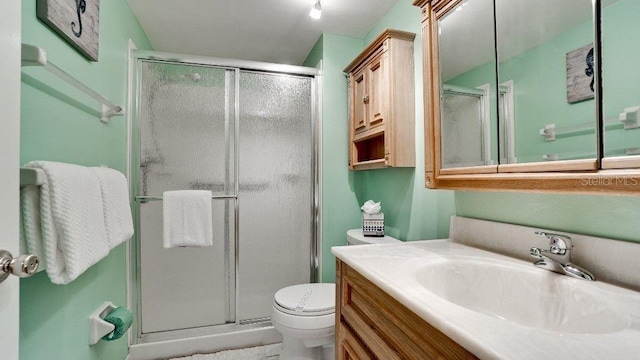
{"x": 295, "y": 349}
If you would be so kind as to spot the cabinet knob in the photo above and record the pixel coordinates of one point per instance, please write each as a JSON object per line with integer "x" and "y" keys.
{"x": 21, "y": 266}
{"x": 365, "y": 99}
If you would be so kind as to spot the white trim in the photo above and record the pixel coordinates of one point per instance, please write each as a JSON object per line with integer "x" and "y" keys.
{"x": 509, "y": 123}
{"x": 485, "y": 100}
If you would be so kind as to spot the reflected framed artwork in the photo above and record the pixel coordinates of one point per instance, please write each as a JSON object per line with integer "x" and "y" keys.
{"x": 77, "y": 22}
{"x": 580, "y": 74}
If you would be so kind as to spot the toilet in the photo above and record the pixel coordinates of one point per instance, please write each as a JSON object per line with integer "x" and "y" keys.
{"x": 305, "y": 314}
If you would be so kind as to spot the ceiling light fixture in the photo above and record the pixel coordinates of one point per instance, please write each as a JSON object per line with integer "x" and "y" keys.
{"x": 316, "y": 11}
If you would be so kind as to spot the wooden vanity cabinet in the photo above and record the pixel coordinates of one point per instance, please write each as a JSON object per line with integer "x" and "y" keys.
{"x": 370, "y": 324}
{"x": 381, "y": 103}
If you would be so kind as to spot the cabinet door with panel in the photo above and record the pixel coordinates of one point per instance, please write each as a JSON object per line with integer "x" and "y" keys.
{"x": 359, "y": 101}
{"x": 381, "y": 103}
{"x": 378, "y": 94}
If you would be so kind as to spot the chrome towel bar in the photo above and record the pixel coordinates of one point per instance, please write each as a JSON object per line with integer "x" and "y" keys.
{"x": 159, "y": 198}
{"x": 36, "y": 56}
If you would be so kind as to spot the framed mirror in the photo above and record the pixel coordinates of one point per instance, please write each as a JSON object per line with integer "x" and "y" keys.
{"x": 468, "y": 111}
{"x": 621, "y": 93}
{"x": 543, "y": 122}
{"x": 546, "y": 68}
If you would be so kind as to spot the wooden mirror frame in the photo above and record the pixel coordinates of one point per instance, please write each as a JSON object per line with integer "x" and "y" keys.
{"x": 589, "y": 176}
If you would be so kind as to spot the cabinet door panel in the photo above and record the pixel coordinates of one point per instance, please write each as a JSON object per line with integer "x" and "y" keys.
{"x": 359, "y": 103}
{"x": 378, "y": 93}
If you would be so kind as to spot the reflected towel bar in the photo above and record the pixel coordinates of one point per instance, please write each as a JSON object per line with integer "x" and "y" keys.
{"x": 591, "y": 154}
{"x": 35, "y": 56}
{"x": 628, "y": 119}
{"x": 159, "y": 198}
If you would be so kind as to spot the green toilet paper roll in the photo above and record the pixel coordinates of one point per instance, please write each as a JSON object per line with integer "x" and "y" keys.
{"x": 122, "y": 318}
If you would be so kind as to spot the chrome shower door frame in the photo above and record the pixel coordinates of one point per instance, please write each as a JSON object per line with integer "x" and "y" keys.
{"x": 138, "y": 58}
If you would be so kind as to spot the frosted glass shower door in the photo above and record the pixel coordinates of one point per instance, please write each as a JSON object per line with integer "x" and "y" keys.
{"x": 186, "y": 128}
{"x": 276, "y": 185}
{"x": 462, "y": 130}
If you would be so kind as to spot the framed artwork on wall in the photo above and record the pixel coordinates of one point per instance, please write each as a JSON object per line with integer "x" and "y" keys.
{"x": 580, "y": 74}
{"x": 76, "y": 21}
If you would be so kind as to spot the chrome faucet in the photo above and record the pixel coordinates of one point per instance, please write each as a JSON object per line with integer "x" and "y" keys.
{"x": 558, "y": 257}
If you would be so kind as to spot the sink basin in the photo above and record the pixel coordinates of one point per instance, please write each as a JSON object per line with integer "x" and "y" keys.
{"x": 523, "y": 294}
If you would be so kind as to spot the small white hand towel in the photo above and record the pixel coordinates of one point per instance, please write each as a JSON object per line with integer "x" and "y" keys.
{"x": 115, "y": 205}
{"x": 72, "y": 220}
{"x": 187, "y": 218}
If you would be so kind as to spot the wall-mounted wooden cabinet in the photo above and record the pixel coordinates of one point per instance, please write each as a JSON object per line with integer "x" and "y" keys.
{"x": 381, "y": 103}
{"x": 370, "y": 324}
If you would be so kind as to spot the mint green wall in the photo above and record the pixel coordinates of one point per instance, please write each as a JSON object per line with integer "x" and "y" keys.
{"x": 411, "y": 212}
{"x": 613, "y": 217}
{"x": 59, "y": 123}
{"x": 341, "y": 189}
{"x": 316, "y": 53}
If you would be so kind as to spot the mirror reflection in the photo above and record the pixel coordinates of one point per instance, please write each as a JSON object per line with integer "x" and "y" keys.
{"x": 545, "y": 54}
{"x": 621, "y": 72}
{"x": 468, "y": 85}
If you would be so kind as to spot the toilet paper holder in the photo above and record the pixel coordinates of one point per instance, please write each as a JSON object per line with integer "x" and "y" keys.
{"x": 98, "y": 327}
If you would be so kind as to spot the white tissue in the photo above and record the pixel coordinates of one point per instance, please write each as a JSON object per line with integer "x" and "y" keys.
{"x": 371, "y": 207}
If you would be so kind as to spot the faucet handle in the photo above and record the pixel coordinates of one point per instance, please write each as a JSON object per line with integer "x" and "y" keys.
{"x": 558, "y": 243}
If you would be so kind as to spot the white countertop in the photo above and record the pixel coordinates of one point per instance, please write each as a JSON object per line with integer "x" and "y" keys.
{"x": 392, "y": 267}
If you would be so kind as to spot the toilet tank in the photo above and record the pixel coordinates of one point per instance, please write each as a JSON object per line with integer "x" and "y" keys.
{"x": 355, "y": 237}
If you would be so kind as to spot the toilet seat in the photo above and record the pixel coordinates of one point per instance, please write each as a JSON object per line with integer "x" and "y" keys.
{"x": 306, "y": 300}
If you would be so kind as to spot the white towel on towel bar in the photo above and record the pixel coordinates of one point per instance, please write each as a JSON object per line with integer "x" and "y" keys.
{"x": 31, "y": 220}
{"x": 186, "y": 217}
{"x": 72, "y": 220}
{"x": 115, "y": 204}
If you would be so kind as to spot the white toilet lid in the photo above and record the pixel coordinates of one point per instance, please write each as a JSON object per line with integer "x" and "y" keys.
{"x": 307, "y": 299}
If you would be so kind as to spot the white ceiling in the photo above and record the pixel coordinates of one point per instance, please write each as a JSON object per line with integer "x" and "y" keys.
{"x": 278, "y": 31}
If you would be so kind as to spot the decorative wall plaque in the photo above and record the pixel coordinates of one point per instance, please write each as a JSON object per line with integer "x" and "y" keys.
{"x": 76, "y": 21}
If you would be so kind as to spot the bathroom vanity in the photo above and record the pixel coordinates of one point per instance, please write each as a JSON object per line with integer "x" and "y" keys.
{"x": 442, "y": 299}
{"x": 385, "y": 328}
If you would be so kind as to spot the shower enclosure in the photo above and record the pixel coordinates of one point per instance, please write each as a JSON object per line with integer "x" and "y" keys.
{"x": 245, "y": 131}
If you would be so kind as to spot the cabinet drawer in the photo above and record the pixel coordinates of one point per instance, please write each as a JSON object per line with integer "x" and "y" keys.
{"x": 349, "y": 346}
{"x": 388, "y": 328}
